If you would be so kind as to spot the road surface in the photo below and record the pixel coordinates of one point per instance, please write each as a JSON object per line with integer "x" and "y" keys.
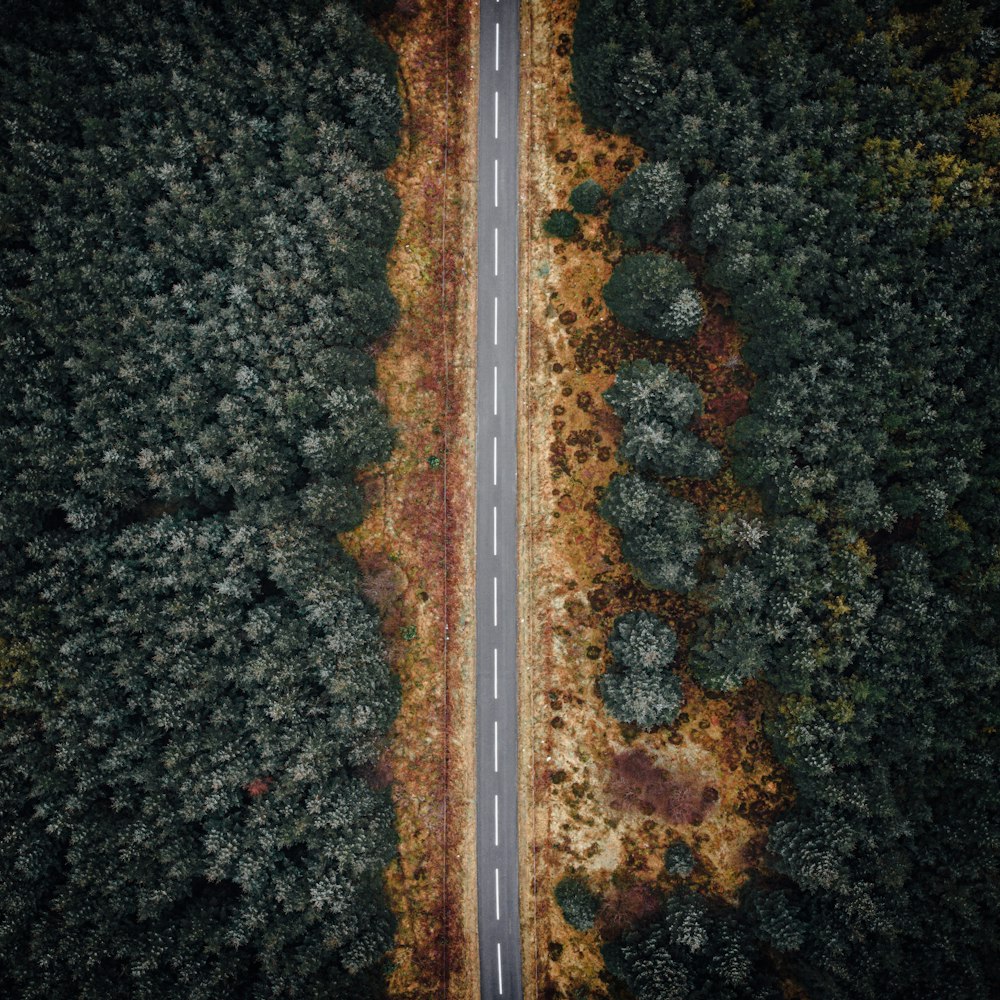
{"x": 496, "y": 505}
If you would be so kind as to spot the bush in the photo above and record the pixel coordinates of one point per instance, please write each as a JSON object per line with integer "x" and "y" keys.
{"x": 679, "y": 860}
{"x": 579, "y": 904}
{"x": 562, "y": 224}
{"x": 586, "y": 197}
{"x": 653, "y": 294}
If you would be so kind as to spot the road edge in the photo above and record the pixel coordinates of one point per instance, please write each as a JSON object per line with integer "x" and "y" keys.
{"x": 525, "y": 468}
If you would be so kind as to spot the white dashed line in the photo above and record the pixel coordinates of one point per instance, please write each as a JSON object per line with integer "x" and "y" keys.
{"x": 495, "y": 658}
{"x": 496, "y": 185}
{"x": 498, "y": 48}
{"x": 499, "y": 970}
{"x": 496, "y": 308}
{"x": 496, "y": 114}
{"x": 494, "y": 460}
{"x": 494, "y": 529}
{"x": 496, "y": 884}
{"x": 496, "y": 820}
{"x": 494, "y": 602}
{"x": 496, "y": 251}
{"x": 496, "y": 748}
{"x": 494, "y": 390}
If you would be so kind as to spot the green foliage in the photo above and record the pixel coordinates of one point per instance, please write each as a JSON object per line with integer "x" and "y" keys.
{"x": 841, "y": 162}
{"x": 642, "y": 690}
{"x": 776, "y": 920}
{"x": 692, "y": 949}
{"x": 653, "y": 294}
{"x": 679, "y": 860}
{"x": 657, "y": 404}
{"x": 586, "y": 197}
{"x": 561, "y": 224}
{"x": 578, "y": 902}
{"x": 194, "y": 257}
{"x": 661, "y": 535}
{"x": 651, "y": 196}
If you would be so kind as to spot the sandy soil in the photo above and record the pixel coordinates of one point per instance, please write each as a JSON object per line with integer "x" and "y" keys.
{"x": 597, "y": 798}
{"x": 415, "y": 545}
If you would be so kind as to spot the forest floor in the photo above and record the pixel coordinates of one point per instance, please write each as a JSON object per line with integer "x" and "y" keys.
{"x": 415, "y": 547}
{"x": 597, "y": 798}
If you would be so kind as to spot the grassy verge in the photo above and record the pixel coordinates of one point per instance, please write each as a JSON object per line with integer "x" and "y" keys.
{"x": 414, "y": 547}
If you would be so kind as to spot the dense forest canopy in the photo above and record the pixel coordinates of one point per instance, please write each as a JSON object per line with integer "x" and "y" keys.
{"x": 192, "y": 690}
{"x": 838, "y": 172}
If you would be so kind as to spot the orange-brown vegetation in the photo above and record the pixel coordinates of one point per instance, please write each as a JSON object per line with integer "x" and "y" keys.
{"x": 599, "y": 798}
{"x": 413, "y": 547}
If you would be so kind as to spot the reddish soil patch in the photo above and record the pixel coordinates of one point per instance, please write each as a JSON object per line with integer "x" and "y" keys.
{"x": 680, "y": 796}
{"x": 627, "y": 904}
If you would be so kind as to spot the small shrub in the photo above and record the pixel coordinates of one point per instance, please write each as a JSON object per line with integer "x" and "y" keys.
{"x": 562, "y": 224}
{"x": 679, "y": 859}
{"x": 586, "y": 198}
{"x": 579, "y": 904}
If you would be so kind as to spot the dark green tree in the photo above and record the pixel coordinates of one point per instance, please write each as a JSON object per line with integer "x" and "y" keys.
{"x": 561, "y": 224}
{"x": 661, "y": 535}
{"x": 648, "y": 200}
{"x": 679, "y": 860}
{"x": 587, "y": 197}
{"x": 653, "y": 294}
{"x": 642, "y": 689}
{"x": 657, "y": 405}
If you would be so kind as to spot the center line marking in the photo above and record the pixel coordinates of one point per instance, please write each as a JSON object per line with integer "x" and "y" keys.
{"x": 496, "y": 883}
{"x": 496, "y": 189}
{"x": 498, "y": 48}
{"x": 499, "y": 970}
{"x": 494, "y": 390}
{"x": 494, "y": 529}
{"x": 496, "y": 820}
{"x": 496, "y": 306}
{"x": 494, "y": 459}
{"x": 495, "y": 657}
{"x": 496, "y": 114}
{"x": 496, "y": 251}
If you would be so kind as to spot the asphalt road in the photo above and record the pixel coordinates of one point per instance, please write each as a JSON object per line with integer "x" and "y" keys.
{"x": 496, "y": 505}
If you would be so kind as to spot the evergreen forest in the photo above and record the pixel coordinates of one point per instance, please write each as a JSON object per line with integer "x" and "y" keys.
{"x": 193, "y": 692}
{"x": 833, "y": 170}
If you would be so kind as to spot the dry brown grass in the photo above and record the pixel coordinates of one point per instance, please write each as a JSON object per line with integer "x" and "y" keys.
{"x": 708, "y": 779}
{"x": 414, "y": 547}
